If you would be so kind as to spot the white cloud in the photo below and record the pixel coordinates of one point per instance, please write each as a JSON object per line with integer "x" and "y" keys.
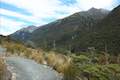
{"x": 47, "y": 8}
{"x": 43, "y": 8}
{"x": 39, "y": 8}
{"x": 18, "y": 15}
{"x": 50, "y": 8}
{"x": 8, "y": 26}
{"x": 86, "y": 4}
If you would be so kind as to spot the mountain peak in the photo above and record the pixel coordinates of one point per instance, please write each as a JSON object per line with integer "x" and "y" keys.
{"x": 92, "y": 9}
{"x": 95, "y": 10}
{"x": 29, "y": 28}
{"x": 32, "y": 27}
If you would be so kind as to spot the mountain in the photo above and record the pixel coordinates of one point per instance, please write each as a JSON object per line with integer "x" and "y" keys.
{"x": 23, "y": 34}
{"x": 71, "y": 33}
{"x": 96, "y": 28}
{"x": 106, "y": 35}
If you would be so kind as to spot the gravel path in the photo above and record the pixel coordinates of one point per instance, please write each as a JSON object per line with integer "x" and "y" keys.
{"x": 2, "y": 51}
{"x": 25, "y": 69}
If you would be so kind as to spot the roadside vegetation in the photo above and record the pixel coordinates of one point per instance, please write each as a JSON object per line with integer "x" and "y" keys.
{"x": 2, "y": 68}
{"x": 90, "y": 65}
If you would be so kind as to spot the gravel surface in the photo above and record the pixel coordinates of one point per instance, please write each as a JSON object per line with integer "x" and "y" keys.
{"x": 2, "y": 51}
{"x": 25, "y": 69}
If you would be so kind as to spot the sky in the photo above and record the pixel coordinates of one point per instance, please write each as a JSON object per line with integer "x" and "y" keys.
{"x": 16, "y": 14}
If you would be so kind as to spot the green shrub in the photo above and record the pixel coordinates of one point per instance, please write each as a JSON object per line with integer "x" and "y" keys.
{"x": 71, "y": 72}
{"x": 81, "y": 59}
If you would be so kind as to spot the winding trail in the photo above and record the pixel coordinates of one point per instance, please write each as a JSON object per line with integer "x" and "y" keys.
{"x": 25, "y": 69}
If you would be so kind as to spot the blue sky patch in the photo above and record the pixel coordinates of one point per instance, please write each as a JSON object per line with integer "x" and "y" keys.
{"x": 10, "y": 7}
{"x": 17, "y": 19}
{"x": 68, "y": 2}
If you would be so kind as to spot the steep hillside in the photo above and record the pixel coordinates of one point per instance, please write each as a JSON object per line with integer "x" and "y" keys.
{"x": 106, "y": 35}
{"x": 69, "y": 32}
{"x": 93, "y": 28}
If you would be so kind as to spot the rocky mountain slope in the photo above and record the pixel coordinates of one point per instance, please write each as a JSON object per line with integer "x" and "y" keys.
{"x": 66, "y": 32}
{"x": 23, "y": 34}
{"x": 96, "y": 28}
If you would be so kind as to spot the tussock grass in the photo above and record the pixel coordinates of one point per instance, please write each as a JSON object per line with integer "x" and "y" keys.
{"x": 2, "y": 68}
{"x": 58, "y": 61}
{"x": 83, "y": 66}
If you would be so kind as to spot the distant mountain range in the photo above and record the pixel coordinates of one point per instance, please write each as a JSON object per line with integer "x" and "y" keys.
{"x": 23, "y": 34}
{"x": 93, "y": 28}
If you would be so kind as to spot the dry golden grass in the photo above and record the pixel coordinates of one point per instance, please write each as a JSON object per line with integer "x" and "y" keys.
{"x": 38, "y": 57}
{"x": 2, "y": 68}
{"x": 58, "y": 61}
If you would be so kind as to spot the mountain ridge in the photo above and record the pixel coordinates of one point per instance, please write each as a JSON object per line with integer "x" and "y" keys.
{"x": 66, "y": 28}
{"x": 76, "y": 32}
